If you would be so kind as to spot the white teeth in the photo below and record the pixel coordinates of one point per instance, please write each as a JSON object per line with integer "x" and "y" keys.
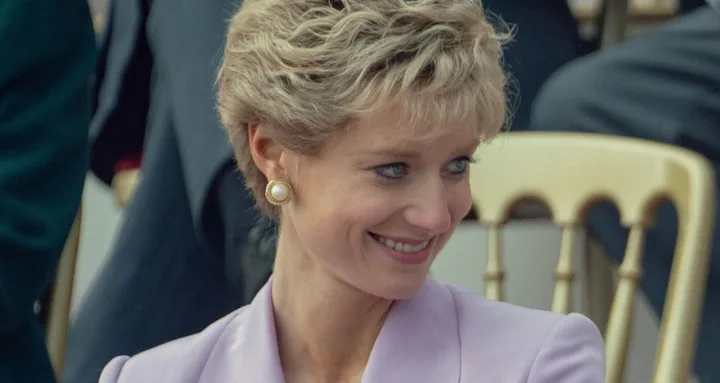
{"x": 403, "y": 247}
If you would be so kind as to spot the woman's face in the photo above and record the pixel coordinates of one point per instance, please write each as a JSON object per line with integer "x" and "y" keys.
{"x": 376, "y": 207}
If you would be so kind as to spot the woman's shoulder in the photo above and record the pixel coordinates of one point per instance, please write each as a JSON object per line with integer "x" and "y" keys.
{"x": 179, "y": 361}
{"x": 478, "y": 314}
{"x": 537, "y": 344}
{"x": 478, "y": 309}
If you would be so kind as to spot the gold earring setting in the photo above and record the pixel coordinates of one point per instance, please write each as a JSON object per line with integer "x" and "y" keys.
{"x": 278, "y": 192}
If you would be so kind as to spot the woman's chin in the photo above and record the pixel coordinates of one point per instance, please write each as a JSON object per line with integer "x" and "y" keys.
{"x": 401, "y": 288}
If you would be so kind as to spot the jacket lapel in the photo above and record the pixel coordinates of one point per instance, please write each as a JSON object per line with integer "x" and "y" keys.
{"x": 419, "y": 341}
{"x": 248, "y": 348}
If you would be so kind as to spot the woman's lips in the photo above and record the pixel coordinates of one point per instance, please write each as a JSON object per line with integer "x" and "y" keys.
{"x": 404, "y": 250}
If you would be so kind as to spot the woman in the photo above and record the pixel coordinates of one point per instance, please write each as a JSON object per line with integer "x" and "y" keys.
{"x": 354, "y": 123}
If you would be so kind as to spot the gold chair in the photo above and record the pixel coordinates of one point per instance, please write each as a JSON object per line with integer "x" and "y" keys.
{"x": 615, "y": 22}
{"x": 571, "y": 171}
{"x": 61, "y": 300}
{"x": 618, "y": 16}
{"x": 123, "y": 186}
{"x": 618, "y": 13}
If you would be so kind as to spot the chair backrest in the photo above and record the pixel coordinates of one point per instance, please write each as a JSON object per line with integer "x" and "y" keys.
{"x": 571, "y": 171}
{"x": 124, "y": 184}
{"x": 58, "y": 320}
{"x": 614, "y": 23}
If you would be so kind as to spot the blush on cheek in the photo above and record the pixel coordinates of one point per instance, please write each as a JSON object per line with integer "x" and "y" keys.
{"x": 368, "y": 211}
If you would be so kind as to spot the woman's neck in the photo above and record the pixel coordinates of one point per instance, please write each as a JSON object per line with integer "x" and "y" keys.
{"x": 325, "y": 327}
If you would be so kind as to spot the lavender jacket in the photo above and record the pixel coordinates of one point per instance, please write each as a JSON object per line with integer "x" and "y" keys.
{"x": 441, "y": 335}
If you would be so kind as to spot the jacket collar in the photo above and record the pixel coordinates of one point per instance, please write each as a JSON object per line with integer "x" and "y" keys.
{"x": 419, "y": 342}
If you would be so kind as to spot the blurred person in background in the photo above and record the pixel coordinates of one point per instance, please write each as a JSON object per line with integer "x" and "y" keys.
{"x": 47, "y": 51}
{"x": 192, "y": 248}
{"x": 664, "y": 86}
{"x": 545, "y": 23}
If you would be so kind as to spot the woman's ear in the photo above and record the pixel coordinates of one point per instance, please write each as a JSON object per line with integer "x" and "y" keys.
{"x": 266, "y": 152}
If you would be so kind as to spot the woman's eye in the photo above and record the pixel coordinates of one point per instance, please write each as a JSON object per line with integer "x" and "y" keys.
{"x": 394, "y": 171}
{"x": 459, "y": 166}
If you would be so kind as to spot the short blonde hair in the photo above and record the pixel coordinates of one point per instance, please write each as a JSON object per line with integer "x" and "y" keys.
{"x": 310, "y": 68}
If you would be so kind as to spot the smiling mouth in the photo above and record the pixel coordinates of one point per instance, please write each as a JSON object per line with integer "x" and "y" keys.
{"x": 399, "y": 246}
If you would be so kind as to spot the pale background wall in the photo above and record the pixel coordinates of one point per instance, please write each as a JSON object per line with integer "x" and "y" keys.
{"x": 100, "y": 222}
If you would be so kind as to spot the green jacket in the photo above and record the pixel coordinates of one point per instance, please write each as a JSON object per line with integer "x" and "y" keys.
{"x": 47, "y": 51}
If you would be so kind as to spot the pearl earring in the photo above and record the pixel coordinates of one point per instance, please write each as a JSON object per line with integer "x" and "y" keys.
{"x": 278, "y": 192}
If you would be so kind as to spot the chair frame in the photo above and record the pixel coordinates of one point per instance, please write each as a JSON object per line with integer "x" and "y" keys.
{"x": 58, "y": 321}
{"x": 572, "y": 171}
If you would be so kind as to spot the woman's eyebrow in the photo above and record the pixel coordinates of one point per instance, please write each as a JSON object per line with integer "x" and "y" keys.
{"x": 395, "y": 152}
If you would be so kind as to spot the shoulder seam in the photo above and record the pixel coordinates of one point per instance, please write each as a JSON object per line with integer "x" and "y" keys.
{"x": 542, "y": 346}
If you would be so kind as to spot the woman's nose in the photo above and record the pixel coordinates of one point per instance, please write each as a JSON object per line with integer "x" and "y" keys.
{"x": 430, "y": 209}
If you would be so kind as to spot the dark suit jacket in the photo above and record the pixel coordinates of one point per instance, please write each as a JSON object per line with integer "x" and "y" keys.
{"x": 168, "y": 274}
{"x": 47, "y": 51}
{"x": 183, "y": 40}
